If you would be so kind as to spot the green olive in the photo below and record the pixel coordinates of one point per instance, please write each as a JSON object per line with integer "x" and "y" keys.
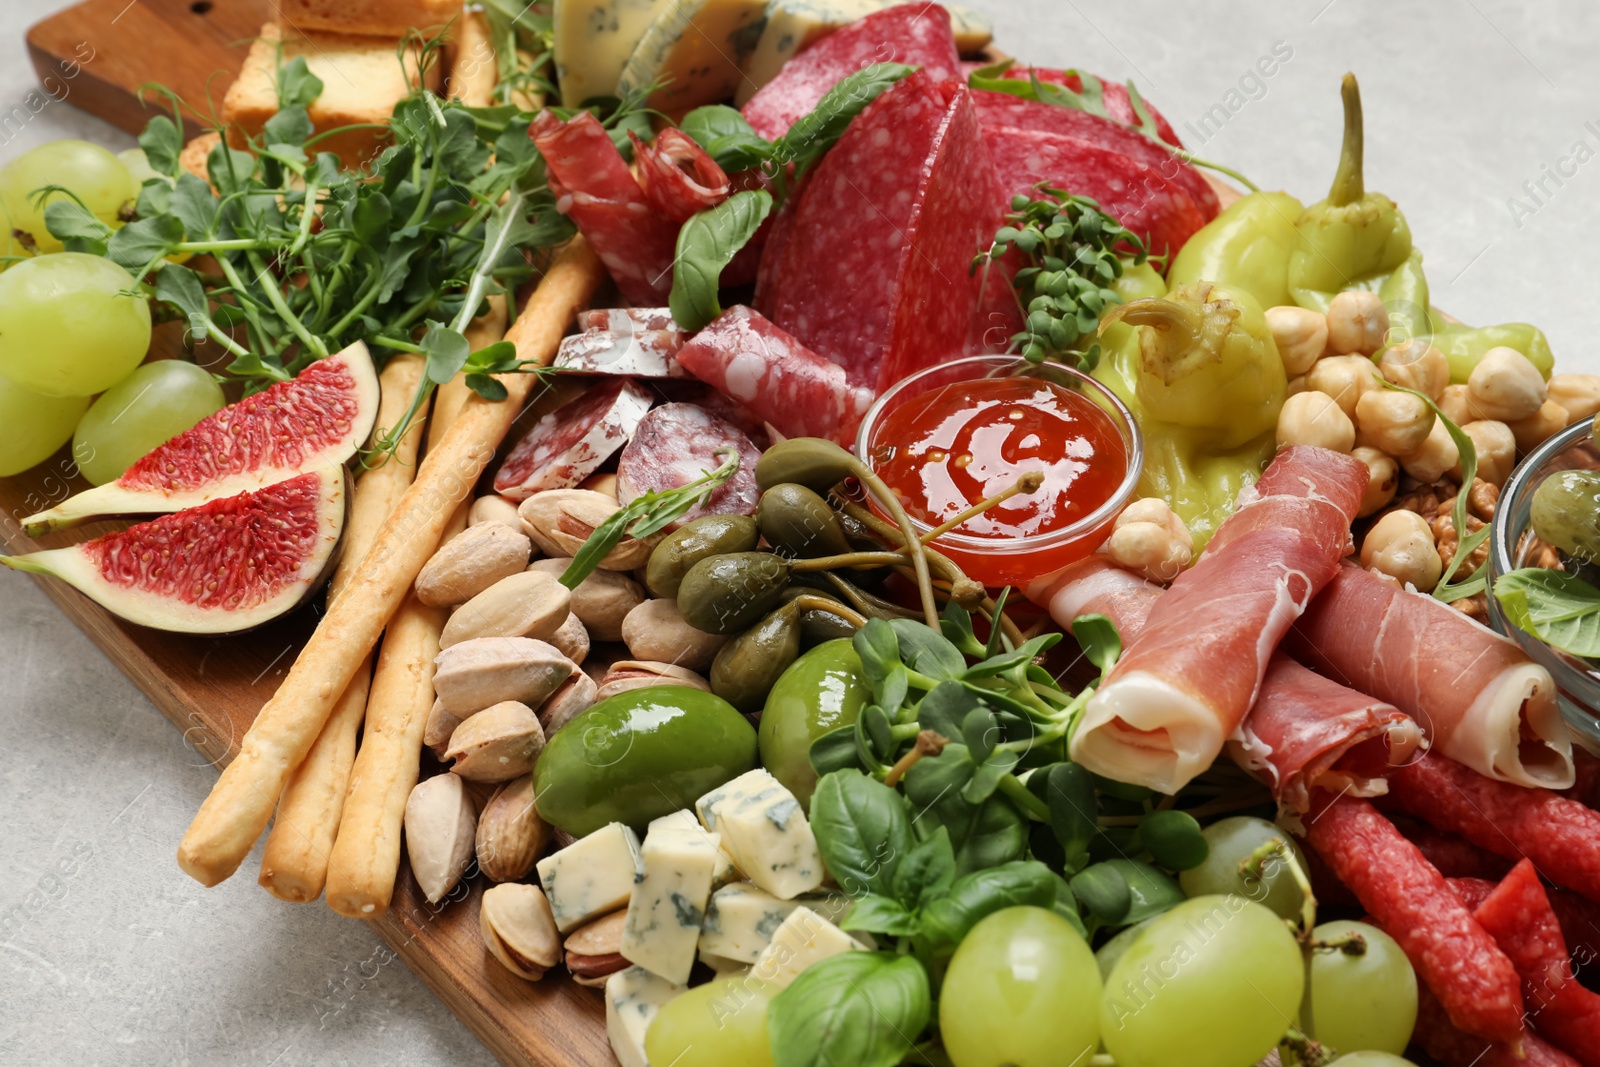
{"x": 821, "y": 691}
{"x": 728, "y": 594}
{"x": 1566, "y": 512}
{"x": 798, "y": 522}
{"x": 709, "y": 535}
{"x": 817, "y": 464}
{"x": 746, "y": 667}
{"x": 640, "y": 755}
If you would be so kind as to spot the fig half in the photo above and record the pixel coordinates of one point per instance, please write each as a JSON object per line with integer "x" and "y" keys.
{"x": 224, "y": 566}
{"x": 315, "y": 420}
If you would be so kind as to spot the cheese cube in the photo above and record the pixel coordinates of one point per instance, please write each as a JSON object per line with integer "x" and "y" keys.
{"x": 724, "y": 967}
{"x": 741, "y": 920}
{"x": 802, "y": 939}
{"x": 739, "y": 788}
{"x": 634, "y": 998}
{"x": 592, "y": 876}
{"x": 680, "y": 821}
{"x": 669, "y": 900}
{"x": 694, "y": 52}
{"x": 725, "y": 870}
{"x": 592, "y": 40}
{"x": 769, "y": 838}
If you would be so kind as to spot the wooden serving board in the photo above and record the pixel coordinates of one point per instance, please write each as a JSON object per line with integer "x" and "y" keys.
{"x": 212, "y": 687}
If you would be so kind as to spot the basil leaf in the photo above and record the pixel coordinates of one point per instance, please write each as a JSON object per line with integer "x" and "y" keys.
{"x": 927, "y": 871}
{"x": 835, "y": 751}
{"x": 1098, "y": 637}
{"x": 809, "y": 139}
{"x": 947, "y": 920}
{"x": 864, "y": 1009}
{"x": 142, "y": 241}
{"x": 881, "y": 915}
{"x": 297, "y": 86}
{"x": 707, "y": 243}
{"x": 162, "y": 141}
{"x": 926, "y": 650}
{"x": 1560, "y": 609}
{"x": 862, "y": 831}
{"x": 727, "y": 138}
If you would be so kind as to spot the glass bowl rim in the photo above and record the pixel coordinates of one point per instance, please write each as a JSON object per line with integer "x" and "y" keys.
{"x": 1500, "y": 538}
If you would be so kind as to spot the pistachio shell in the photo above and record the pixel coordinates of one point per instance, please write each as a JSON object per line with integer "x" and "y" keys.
{"x": 510, "y": 832}
{"x": 471, "y": 562}
{"x": 561, "y": 520}
{"x": 525, "y": 604}
{"x": 601, "y": 937}
{"x": 572, "y": 638}
{"x": 576, "y": 696}
{"x": 601, "y": 600}
{"x": 626, "y": 675}
{"x": 497, "y": 744}
{"x": 494, "y": 508}
{"x": 439, "y": 824}
{"x": 442, "y": 722}
{"x": 518, "y": 929}
{"x": 476, "y": 674}
{"x": 654, "y": 630}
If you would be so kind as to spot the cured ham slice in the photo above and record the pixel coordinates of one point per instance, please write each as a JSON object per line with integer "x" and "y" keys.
{"x": 1481, "y": 701}
{"x": 1301, "y": 725}
{"x": 1184, "y": 685}
{"x": 594, "y": 188}
{"x": 791, "y": 387}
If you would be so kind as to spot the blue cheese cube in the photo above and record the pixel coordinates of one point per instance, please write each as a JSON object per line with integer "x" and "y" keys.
{"x": 592, "y": 876}
{"x": 770, "y": 840}
{"x": 804, "y": 938}
{"x": 748, "y": 783}
{"x": 634, "y": 998}
{"x": 741, "y": 920}
{"x": 669, "y": 900}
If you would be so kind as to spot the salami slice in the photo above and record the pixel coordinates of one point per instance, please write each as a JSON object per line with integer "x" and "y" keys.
{"x": 621, "y": 320}
{"x": 1436, "y": 1035}
{"x": 874, "y": 268}
{"x": 1118, "y": 104}
{"x": 1133, "y": 193}
{"x": 633, "y": 353}
{"x": 570, "y": 443}
{"x": 916, "y": 34}
{"x": 1453, "y": 955}
{"x": 789, "y": 386}
{"x": 1003, "y": 109}
{"x": 677, "y": 443}
{"x": 594, "y": 188}
{"x": 1454, "y": 857}
{"x": 678, "y": 177}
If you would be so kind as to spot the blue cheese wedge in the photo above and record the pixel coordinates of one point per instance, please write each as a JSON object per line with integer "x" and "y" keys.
{"x": 768, "y": 836}
{"x": 634, "y": 998}
{"x": 804, "y": 938}
{"x": 592, "y": 876}
{"x": 694, "y": 52}
{"x": 592, "y": 40}
{"x": 793, "y": 25}
{"x": 669, "y": 899}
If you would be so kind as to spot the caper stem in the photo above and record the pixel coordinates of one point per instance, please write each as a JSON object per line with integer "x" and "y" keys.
{"x": 807, "y": 602}
{"x": 919, "y": 562}
{"x": 865, "y": 602}
{"x": 929, "y": 743}
{"x": 848, "y": 559}
{"x": 1028, "y": 483}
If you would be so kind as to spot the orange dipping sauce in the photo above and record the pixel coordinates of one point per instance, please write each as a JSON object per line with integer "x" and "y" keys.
{"x": 950, "y": 446}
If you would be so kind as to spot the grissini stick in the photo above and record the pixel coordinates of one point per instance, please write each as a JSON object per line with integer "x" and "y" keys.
{"x": 233, "y": 816}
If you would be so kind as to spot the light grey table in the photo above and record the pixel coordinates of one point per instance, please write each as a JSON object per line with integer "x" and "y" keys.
{"x": 1481, "y": 122}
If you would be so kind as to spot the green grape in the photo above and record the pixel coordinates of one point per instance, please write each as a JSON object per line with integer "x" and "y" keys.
{"x": 97, "y": 177}
{"x": 720, "y": 1024}
{"x": 1021, "y": 990}
{"x": 35, "y": 426}
{"x": 139, "y": 166}
{"x": 1371, "y": 1059}
{"x": 1214, "y": 982}
{"x": 1232, "y": 841}
{"x": 149, "y": 407}
{"x": 69, "y": 324}
{"x": 8, "y": 244}
{"x": 1366, "y": 1002}
{"x": 1107, "y": 955}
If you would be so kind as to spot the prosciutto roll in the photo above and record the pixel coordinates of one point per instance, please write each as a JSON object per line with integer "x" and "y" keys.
{"x": 1302, "y": 724}
{"x": 1480, "y": 700}
{"x": 1184, "y": 685}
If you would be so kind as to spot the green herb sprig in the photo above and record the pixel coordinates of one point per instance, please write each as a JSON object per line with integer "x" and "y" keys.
{"x": 1074, "y": 253}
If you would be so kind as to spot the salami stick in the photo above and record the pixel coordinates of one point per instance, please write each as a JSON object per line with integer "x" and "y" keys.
{"x": 294, "y": 864}
{"x": 1441, "y": 1039}
{"x": 233, "y": 816}
{"x": 1453, "y": 955}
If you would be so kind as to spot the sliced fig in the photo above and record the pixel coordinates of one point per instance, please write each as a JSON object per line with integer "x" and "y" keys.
{"x": 316, "y": 420}
{"x": 226, "y": 565}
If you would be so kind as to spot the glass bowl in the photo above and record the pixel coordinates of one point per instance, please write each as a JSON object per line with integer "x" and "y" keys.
{"x": 1017, "y": 561}
{"x": 1577, "y": 680}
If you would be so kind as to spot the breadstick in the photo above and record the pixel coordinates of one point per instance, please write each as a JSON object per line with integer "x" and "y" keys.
{"x": 366, "y": 853}
{"x": 295, "y": 861}
{"x": 241, "y": 803}
{"x": 473, "y": 70}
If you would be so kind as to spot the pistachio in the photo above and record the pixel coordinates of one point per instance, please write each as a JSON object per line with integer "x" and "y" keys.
{"x": 442, "y": 722}
{"x": 655, "y": 631}
{"x": 474, "y": 674}
{"x": 576, "y": 696}
{"x": 439, "y": 831}
{"x": 572, "y": 638}
{"x": 525, "y": 604}
{"x": 603, "y": 657}
{"x": 510, "y": 832}
{"x": 628, "y": 674}
{"x": 494, "y": 508}
{"x": 561, "y": 520}
{"x": 497, "y": 744}
{"x": 601, "y": 600}
{"x": 518, "y": 929}
{"x": 594, "y": 951}
{"x": 471, "y": 562}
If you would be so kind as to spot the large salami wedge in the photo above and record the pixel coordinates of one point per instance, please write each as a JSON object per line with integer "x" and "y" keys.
{"x": 875, "y": 264}
{"x": 915, "y": 34}
{"x": 570, "y": 443}
{"x": 677, "y": 443}
{"x": 1118, "y": 104}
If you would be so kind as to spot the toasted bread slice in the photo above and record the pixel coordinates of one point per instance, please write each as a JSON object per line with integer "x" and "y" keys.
{"x": 196, "y": 152}
{"x": 376, "y": 18}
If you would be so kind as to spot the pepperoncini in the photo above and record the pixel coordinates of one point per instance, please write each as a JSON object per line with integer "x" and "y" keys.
{"x": 1205, "y": 383}
{"x": 1359, "y": 240}
{"x": 1247, "y": 246}
{"x": 1464, "y": 345}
